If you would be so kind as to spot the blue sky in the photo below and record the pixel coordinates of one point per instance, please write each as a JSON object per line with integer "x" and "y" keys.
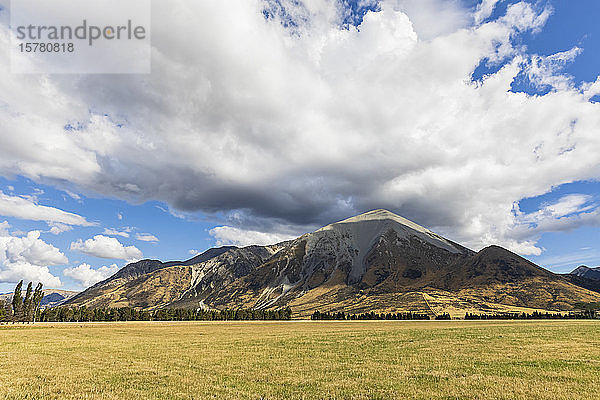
{"x": 246, "y": 139}
{"x": 565, "y": 250}
{"x": 177, "y": 235}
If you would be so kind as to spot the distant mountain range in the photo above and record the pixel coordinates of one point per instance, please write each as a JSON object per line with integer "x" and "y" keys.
{"x": 585, "y": 277}
{"x": 377, "y": 261}
{"x": 52, "y": 297}
{"x": 587, "y": 272}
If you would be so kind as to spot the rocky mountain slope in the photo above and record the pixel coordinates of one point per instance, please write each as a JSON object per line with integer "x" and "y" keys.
{"x": 586, "y": 272}
{"x": 585, "y": 277}
{"x": 131, "y": 284}
{"x": 377, "y": 261}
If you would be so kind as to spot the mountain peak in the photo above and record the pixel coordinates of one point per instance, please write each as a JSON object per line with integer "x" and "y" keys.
{"x": 382, "y": 215}
{"x": 364, "y": 231}
{"x": 376, "y": 261}
{"x": 586, "y": 272}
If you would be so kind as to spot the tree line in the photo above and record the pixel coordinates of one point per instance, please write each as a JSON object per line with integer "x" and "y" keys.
{"x": 584, "y": 314}
{"x": 318, "y": 315}
{"x": 84, "y": 314}
{"x": 22, "y": 309}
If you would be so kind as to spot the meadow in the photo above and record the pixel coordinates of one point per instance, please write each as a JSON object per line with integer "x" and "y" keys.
{"x": 302, "y": 360}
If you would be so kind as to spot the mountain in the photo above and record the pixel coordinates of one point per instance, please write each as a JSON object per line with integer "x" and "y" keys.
{"x": 586, "y": 272}
{"x": 377, "y": 261}
{"x": 52, "y": 297}
{"x": 585, "y": 277}
{"x": 134, "y": 284}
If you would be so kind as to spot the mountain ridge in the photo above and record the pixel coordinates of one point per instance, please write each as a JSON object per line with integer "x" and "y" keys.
{"x": 375, "y": 261}
{"x": 586, "y": 272}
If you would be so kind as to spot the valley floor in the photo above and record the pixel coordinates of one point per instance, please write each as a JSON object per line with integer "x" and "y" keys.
{"x": 302, "y": 360}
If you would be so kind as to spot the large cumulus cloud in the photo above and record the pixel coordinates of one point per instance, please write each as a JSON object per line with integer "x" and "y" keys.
{"x": 292, "y": 125}
{"x": 28, "y": 257}
{"x": 107, "y": 247}
{"x": 88, "y": 276}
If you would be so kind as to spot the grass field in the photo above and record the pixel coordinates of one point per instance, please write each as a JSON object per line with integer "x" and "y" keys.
{"x": 302, "y": 359}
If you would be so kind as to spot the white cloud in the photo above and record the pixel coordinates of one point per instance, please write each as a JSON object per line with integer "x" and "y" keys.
{"x": 175, "y": 213}
{"x": 11, "y": 188}
{"x": 545, "y": 71}
{"x": 523, "y": 17}
{"x": 28, "y": 258}
{"x": 521, "y": 232}
{"x": 87, "y": 276}
{"x": 146, "y": 237}
{"x": 193, "y": 252}
{"x": 27, "y": 208}
{"x": 567, "y": 213}
{"x": 107, "y": 247}
{"x": 4, "y": 226}
{"x": 566, "y": 205}
{"x": 120, "y": 216}
{"x": 228, "y": 235}
{"x": 310, "y": 127}
{"x": 34, "y": 197}
{"x": 73, "y": 195}
{"x": 57, "y": 228}
{"x": 567, "y": 262}
{"x": 116, "y": 232}
{"x": 484, "y": 10}
{"x": 433, "y": 18}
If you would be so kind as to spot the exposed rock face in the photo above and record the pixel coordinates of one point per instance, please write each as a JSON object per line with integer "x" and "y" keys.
{"x": 377, "y": 261}
{"x": 102, "y": 294}
{"x": 221, "y": 271}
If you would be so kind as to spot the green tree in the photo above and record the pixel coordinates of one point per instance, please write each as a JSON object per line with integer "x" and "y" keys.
{"x": 28, "y": 303}
{"x": 17, "y": 303}
{"x": 38, "y": 295}
{"x": 3, "y": 313}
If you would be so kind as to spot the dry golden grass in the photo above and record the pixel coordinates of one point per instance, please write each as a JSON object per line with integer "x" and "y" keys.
{"x": 302, "y": 360}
